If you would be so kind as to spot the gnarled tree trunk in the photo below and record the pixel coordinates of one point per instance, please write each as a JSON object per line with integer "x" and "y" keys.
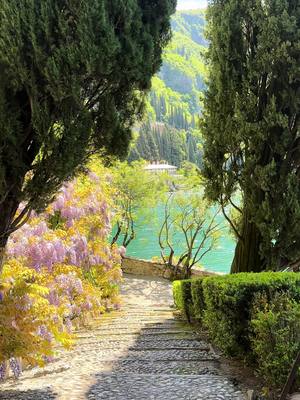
{"x": 247, "y": 256}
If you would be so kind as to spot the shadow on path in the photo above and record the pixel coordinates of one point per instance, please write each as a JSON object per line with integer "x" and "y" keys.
{"x": 166, "y": 360}
{"x": 140, "y": 353}
{"x": 28, "y": 395}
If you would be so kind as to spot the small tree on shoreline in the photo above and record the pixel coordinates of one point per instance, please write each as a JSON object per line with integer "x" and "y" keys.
{"x": 137, "y": 191}
{"x": 190, "y": 216}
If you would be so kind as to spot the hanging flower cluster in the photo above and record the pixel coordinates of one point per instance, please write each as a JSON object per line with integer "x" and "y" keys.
{"x": 60, "y": 271}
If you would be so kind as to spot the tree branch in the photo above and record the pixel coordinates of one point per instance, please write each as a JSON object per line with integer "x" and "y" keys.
{"x": 235, "y": 206}
{"x": 229, "y": 220}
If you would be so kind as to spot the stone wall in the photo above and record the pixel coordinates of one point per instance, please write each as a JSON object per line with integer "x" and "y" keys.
{"x": 136, "y": 266}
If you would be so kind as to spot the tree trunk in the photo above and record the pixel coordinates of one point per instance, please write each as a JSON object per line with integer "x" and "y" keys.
{"x": 247, "y": 256}
{"x": 8, "y": 209}
{"x": 27, "y": 149}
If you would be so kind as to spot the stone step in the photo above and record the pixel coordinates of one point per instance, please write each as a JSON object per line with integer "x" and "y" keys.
{"x": 295, "y": 396}
{"x": 153, "y": 326}
{"x": 139, "y": 322}
{"x": 148, "y": 308}
{"x": 121, "y": 386}
{"x": 150, "y": 355}
{"x": 144, "y": 332}
{"x": 167, "y": 335}
{"x": 169, "y": 367}
{"x": 146, "y": 344}
{"x": 146, "y": 312}
{"x": 134, "y": 320}
{"x": 147, "y": 323}
{"x": 137, "y": 319}
{"x": 116, "y": 337}
{"x": 131, "y": 366}
{"x": 142, "y": 317}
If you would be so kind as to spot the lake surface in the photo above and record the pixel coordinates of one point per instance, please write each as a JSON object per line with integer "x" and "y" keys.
{"x": 146, "y": 244}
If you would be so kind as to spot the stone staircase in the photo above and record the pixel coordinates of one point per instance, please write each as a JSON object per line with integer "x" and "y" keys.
{"x": 141, "y": 352}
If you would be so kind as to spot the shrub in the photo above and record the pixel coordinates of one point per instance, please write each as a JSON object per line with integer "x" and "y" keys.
{"x": 248, "y": 314}
{"x": 60, "y": 271}
{"x": 198, "y": 298}
{"x": 276, "y": 337}
{"x": 183, "y": 297}
{"x": 30, "y": 324}
{"x": 229, "y": 301}
{"x": 188, "y": 297}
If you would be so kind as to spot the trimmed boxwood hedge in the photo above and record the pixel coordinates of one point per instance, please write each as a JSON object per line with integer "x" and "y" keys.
{"x": 276, "y": 337}
{"x": 183, "y": 297}
{"x": 229, "y": 301}
{"x": 198, "y": 303}
{"x": 226, "y": 305}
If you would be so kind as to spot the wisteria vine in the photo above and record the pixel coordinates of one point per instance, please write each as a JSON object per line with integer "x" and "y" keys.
{"x": 59, "y": 272}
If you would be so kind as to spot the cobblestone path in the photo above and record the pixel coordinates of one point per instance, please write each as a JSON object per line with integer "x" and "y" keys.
{"x": 141, "y": 352}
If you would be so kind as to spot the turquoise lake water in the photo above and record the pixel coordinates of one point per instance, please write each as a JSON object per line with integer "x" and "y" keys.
{"x": 146, "y": 245}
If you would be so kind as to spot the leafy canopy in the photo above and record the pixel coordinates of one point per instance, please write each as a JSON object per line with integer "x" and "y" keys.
{"x": 137, "y": 192}
{"x": 73, "y": 77}
{"x": 251, "y": 123}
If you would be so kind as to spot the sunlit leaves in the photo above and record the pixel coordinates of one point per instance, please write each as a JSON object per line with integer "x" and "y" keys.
{"x": 59, "y": 275}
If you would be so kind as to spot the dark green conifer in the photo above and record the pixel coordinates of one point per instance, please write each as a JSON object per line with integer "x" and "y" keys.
{"x": 251, "y": 126}
{"x": 73, "y": 74}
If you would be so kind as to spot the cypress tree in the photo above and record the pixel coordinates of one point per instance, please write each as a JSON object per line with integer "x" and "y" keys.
{"x": 73, "y": 74}
{"x": 251, "y": 126}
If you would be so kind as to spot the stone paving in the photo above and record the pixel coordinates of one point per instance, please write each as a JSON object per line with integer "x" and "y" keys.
{"x": 141, "y": 352}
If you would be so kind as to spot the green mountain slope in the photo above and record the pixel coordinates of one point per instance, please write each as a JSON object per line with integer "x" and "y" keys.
{"x": 174, "y": 101}
{"x": 181, "y": 78}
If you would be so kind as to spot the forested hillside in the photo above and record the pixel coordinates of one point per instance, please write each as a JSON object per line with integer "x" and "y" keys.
{"x": 175, "y": 99}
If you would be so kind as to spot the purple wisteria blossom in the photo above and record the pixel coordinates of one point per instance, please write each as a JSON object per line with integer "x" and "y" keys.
{"x": 15, "y": 367}
{"x": 3, "y": 369}
{"x": 44, "y": 333}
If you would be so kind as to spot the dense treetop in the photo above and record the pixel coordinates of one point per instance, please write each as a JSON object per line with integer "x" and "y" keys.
{"x": 251, "y": 125}
{"x": 73, "y": 74}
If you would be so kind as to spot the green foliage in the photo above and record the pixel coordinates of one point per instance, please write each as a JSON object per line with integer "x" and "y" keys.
{"x": 276, "y": 337}
{"x": 191, "y": 23}
{"x": 229, "y": 301}
{"x": 251, "y": 125}
{"x": 174, "y": 102}
{"x": 190, "y": 177}
{"x": 189, "y": 215}
{"x": 181, "y": 78}
{"x": 160, "y": 142}
{"x": 136, "y": 192}
{"x": 182, "y": 296}
{"x": 74, "y": 76}
{"x": 198, "y": 298}
{"x": 256, "y": 316}
{"x": 189, "y": 297}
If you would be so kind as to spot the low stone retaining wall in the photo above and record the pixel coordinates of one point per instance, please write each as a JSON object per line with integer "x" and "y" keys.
{"x": 136, "y": 266}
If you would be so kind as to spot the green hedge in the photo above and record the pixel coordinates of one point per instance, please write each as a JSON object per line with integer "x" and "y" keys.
{"x": 183, "y": 297}
{"x": 188, "y": 297}
{"x": 276, "y": 337}
{"x": 198, "y": 302}
{"x": 228, "y": 305}
{"x": 229, "y": 301}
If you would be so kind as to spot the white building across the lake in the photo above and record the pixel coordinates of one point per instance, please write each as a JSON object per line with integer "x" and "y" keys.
{"x": 171, "y": 169}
